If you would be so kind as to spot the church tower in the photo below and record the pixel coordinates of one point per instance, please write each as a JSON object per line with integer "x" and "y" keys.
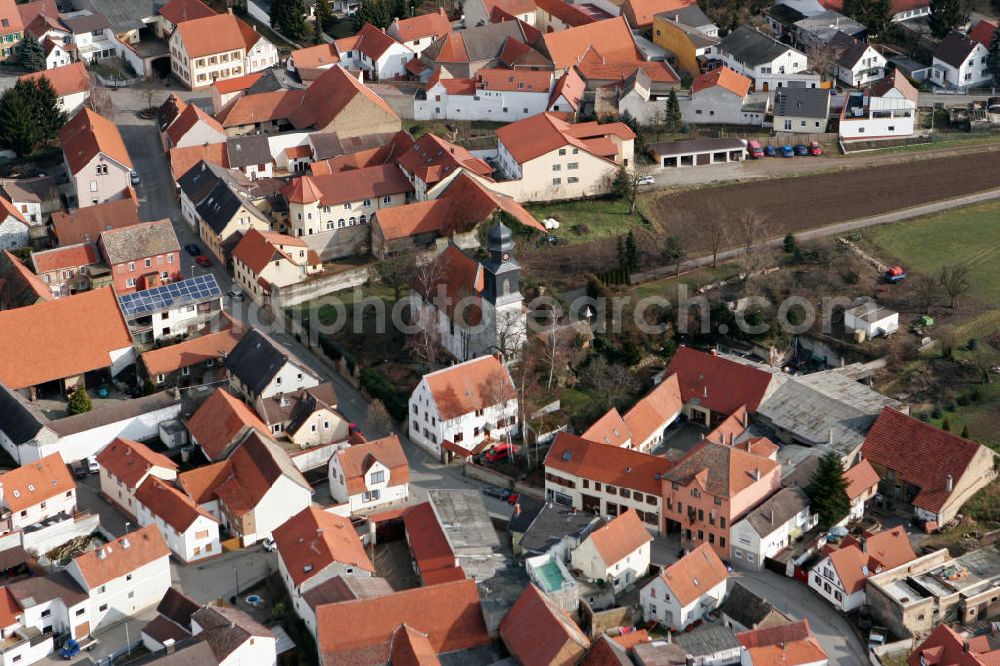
{"x": 503, "y": 304}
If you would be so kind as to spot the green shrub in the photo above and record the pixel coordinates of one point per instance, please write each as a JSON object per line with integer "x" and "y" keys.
{"x": 378, "y": 386}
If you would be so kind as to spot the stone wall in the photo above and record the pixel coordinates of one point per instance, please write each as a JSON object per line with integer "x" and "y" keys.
{"x": 286, "y": 297}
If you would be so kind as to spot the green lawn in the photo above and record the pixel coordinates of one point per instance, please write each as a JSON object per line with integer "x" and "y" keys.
{"x": 667, "y": 286}
{"x": 584, "y": 221}
{"x": 966, "y": 235}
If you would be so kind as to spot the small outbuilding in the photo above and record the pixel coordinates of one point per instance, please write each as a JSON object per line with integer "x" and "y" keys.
{"x": 698, "y": 152}
{"x": 873, "y": 319}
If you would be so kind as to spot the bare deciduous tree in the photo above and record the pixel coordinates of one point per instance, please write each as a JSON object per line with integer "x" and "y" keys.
{"x": 822, "y": 58}
{"x": 983, "y": 361}
{"x": 499, "y": 390}
{"x": 553, "y": 348}
{"x": 748, "y": 235}
{"x": 716, "y": 231}
{"x": 99, "y": 100}
{"x": 396, "y": 272}
{"x": 425, "y": 343}
{"x": 926, "y": 290}
{"x": 610, "y": 382}
{"x": 378, "y": 419}
{"x": 955, "y": 280}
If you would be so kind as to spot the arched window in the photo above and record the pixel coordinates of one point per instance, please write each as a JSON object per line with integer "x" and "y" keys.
{"x": 352, "y": 221}
{"x": 340, "y": 223}
{"x": 363, "y": 219}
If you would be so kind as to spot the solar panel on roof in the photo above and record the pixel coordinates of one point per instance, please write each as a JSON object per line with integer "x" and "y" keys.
{"x": 193, "y": 289}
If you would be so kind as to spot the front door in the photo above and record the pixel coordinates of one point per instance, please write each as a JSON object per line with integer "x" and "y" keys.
{"x": 81, "y": 630}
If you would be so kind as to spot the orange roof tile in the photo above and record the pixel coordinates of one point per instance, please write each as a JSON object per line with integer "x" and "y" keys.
{"x": 21, "y": 283}
{"x": 784, "y": 645}
{"x": 537, "y": 631}
{"x": 10, "y": 14}
{"x": 192, "y": 351}
{"x": 655, "y": 410}
{"x": 540, "y": 134}
{"x": 609, "y": 429}
{"x": 258, "y": 248}
{"x": 725, "y": 78}
{"x": 200, "y": 483}
{"x": 467, "y": 387}
{"x": 349, "y": 186}
{"x": 569, "y": 86}
{"x": 983, "y": 32}
{"x": 860, "y": 478}
{"x": 220, "y": 422}
{"x": 694, "y": 574}
{"x": 321, "y": 55}
{"x": 361, "y": 631}
{"x": 431, "y": 25}
{"x": 640, "y": 13}
{"x": 262, "y": 107}
{"x": 189, "y": 118}
{"x": 515, "y": 80}
{"x": 945, "y": 646}
{"x": 730, "y": 428}
{"x": 620, "y": 537}
{"x": 178, "y": 11}
{"x": 721, "y": 470}
{"x": 611, "y": 37}
{"x": 313, "y": 539}
{"x": 608, "y": 464}
{"x": 571, "y": 15}
{"x": 10, "y": 610}
{"x": 61, "y": 338}
{"x": 209, "y": 35}
{"x": 595, "y": 67}
{"x": 35, "y": 482}
{"x": 131, "y": 461}
{"x": 122, "y": 556}
{"x": 329, "y": 94}
{"x": 238, "y": 84}
{"x": 432, "y": 159}
{"x": 854, "y": 563}
{"x": 69, "y": 256}
{"x": 355, "y": 461}
{"x": 428, "y": 542}
{"x": 371, "y": 41}
{"x": 88, "y": 134}
{"x": 183, "y": 159}
{"x": 412, "y": 648}
{"x": 890, "y": 548}
{"x": 174, "y": 507}
{"x": 65, "y": 80}
{"x": 920, "y": 454}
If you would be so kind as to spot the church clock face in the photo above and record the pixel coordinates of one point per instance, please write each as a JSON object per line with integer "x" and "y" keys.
{"x": 505, "y": 256}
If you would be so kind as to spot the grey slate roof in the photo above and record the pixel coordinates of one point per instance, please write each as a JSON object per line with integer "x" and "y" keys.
{"x": 221, "y": 204}
{"x": 553, "y": 523}
{"x": 177, "y": 607}
{"x": 258, "y": 357}
{"x": 226, "y": 629}
{"x": 199, "y": 180}
{"x": 123, "y": 15}
{"x": 849, "y": 50}
{"x": 955, "y": 49}
{"x": 139, "y": 241}
{"x": 37, "y": 590}
{"x": 692, "y": 16}
{"x": 784, "y": 14}
{"x": 781, "y": 507}
{"x": 815, "y": 407}
{"x": 828, "y": 24}
{"x": 746, "y": 607}
{"x": 328, "y": 144}
{"x": 521, "y": 520}
{"x": 752, "y": 47}
{"x": 695, "y": 146}
{"x": 346, "y": 588}
{"x": 247, "y": 150}
{"x": 707, "y": 640}
{"x": 802, "y": 103}
{"x": 85, "y": 23}
{"x": 20, "y": 420}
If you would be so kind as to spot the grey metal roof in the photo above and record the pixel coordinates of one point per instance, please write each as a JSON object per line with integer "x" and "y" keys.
{"x": 20, "y": 420}
{"x": 752, "y": 47}
{"x": 470, "y": 532}
{"x": 777, "y": 510}
{"x": 522, "y": 518}
{"x": 870, "y": 312}
{"x": 802, "y": 103}
{"x": 827, "y": 24}
{"x": 707, "y": 640}
{"x": 695, "y": 146}
{"x": 692, "y": 16}
{"x": 745, "y": 606}
{"x": 823, "y": 406}
{"x": 248, "y": 150}
{"x": 553, "y": 523}
{"x": 258, "y": 357}
{"x": 139, "y": 241}
{"x": 782, "y": 13}
{"x": 123, "y": 15}
{"x": 113, "y": 413}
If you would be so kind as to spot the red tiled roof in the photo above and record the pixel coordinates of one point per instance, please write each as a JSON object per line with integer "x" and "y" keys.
{"x": 314, "y": 539}
{"x": 946, "y": 647}
{"x": 349, "y": 186}
{"x": 192, "y": 351}
{"x": 260, "y": 108}
{"x": 620, "y": 537}
{"x": 183, "y": 159}
{"x": 860, "y": 478}
{"x": 86, "y": 135}
{"x": 515, "y": 80}
{"x": 174, "y": 507}
{"x": 432, "y": 25}
{"x": 412, "y": 648}
{"x": 724, "y": 78}
{"x": 61, "y": 338}
{"x": 9, "y": 609}
{"x": 35, "y": 482}
{"x": 313, "y": 57}
{"x": 694, "y": 574}
{"x": 220, "y": 421}
{"x": 428, "y": 542}
{"x": 131, "y": 461}
{"x": 570, "y": 14}
{"x": 462, "y": 278}
{"x": 122, "y": 556}
{"x": 371, "y": 41}
{"x": 537, "y": 631}
{"x": 432, "y": 159}
{"x": 178, "y": 11}
{"x": 85, "y": 225}
{"x": 611, "y": 37}
{"x": 355, "y": 461}
{"x": 31, "y": 11}
{"x": 361, "y": 631}
{"x": 188, "y": 119}
{"x": 540, "y": 134}
{"x": 783, "y": 645}
{"x": 569, "y": 86}
{"x": 640, "y": 13}
{"x": 854, "y": 563}
{"x": 731, "y": 427}
{"x": 65, "y": 80}
{"x": 258, "y": 248}
{"x": 920, "y": 454}
{"x": 717, "y": 383}
{"x": 467, "y": 387}
{"x": 611, "y": 465}
{"x": 610, "y": 429}
{"x": 212, "y": 34}
{"x": 70, "y": 256}
{"x": 595, "y": 67}
{"x": 720, "y": 470}
{"x": 654, "y": 410}
{"x": 10, "y": 14}
{"x": 330, "y": 94}
{"x": 200, "y": 483}
{"x": 20, "y": 286}
{"x": 983, "y": 32}
{"x": 244, "y": 82}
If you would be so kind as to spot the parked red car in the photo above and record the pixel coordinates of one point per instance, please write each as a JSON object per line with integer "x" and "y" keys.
{"x": 202, "y": 260}
{"x": 499, "y": 452}
{"x": 815, "y": 149}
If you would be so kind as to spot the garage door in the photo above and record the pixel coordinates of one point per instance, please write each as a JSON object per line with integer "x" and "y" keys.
{"x": 81, "y": 630}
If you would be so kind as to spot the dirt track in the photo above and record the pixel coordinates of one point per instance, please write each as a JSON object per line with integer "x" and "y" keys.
{"x": 808, "y": 202}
